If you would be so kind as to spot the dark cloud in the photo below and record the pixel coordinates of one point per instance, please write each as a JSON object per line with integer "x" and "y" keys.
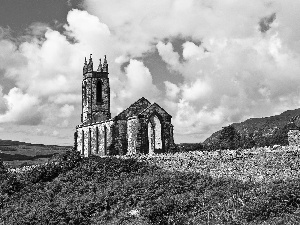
{"x": 124, "y": 65}
{"x": 265, "y": 22}
{"x": 178, "y": 42}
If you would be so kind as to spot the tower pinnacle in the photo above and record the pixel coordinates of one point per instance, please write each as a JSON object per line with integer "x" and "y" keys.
{"x": 85, "y": 66}
{"x": 105, "y": 65}
{"x": 100, "y": 66}
{"x": 90, "y": 65}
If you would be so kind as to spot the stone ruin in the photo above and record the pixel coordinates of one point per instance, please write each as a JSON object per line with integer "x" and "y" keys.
{"x": 141, "y": 128}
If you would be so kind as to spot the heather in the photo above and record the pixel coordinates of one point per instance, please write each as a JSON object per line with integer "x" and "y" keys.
{"x": 182, "y": 188}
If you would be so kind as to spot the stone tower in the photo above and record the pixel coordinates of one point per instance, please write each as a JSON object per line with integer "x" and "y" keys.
{"x": 95, "y": 93}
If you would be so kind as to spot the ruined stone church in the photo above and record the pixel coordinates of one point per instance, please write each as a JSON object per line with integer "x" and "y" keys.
{"x": 141, "y": 128}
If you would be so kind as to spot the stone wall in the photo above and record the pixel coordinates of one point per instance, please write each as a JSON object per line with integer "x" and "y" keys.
{"x": 100, "y": 110}
{"x": 294, "y": 137}
{"x": 93, "y": 110}
{"x": 95, "y": 139}
{"x": 86, "y": 99}
{"x": 166, "y": 129}
{"x": 132, "y": 133}
{"x": 134, "y": 109}
{"x": 120, "y": 137}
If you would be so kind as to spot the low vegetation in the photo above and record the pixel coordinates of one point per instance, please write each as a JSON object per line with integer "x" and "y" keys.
{"x": 183, "y": 188}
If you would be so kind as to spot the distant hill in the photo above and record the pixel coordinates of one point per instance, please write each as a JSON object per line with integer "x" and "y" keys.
{"x": 15, "y": 143}
{"x": 17, "y": 153}
{"x": 256, "y": 132}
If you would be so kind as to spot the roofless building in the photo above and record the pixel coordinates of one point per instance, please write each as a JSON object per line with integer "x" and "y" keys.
{"x": 141, "y": 128}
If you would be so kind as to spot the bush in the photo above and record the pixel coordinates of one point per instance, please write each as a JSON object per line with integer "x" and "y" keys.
{"x": 3, "y": 169}
{"x": 48, "y": 172}
{"x": 10, "y": 184}
{"x": 69, "y": 159}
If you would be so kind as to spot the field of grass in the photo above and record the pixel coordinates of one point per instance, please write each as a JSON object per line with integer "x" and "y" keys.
{"x": 256, "y": 187}
{"x": 16, "y": 154}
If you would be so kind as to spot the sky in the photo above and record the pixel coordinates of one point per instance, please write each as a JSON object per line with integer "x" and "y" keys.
{"x": 209, "y": 63}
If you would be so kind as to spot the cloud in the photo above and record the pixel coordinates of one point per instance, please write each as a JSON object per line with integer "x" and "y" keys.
{"x": 196, "y": 90}
{"x": 22, "y": 108}
{"x": 168, "y": 55}
{"x": 139, "y": 82}
{"x": 172, "y": 90}
{"x": 87, "y": 29}
{"x": 55, "y": 133}
{"x": 66, "y": 111}
{"x": 264, "y": 23}
{"x": 234, "y": 61}
{"x": 65, "y": 98}
{"x": 45, "y": 67}
{"x": 190, "y": 50}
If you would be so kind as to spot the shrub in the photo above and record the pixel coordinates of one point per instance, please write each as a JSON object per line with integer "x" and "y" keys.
{"x": 69, "y": 159}
{"x": 10, "y": 184}
{"x": 48, "y": 172}
{"x": 3, "y": 169}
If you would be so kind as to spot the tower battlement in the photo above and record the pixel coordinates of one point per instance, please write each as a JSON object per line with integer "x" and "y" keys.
{"x": 95, "y": 92}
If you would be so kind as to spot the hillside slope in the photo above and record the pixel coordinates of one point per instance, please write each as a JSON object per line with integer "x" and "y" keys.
{"x": 260, "y": 131}
{"x": 184, "y": 188}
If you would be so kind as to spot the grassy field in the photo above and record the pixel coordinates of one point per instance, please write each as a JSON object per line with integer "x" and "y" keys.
{"x": 16, "y": 154}
{"x": 257, "y": 186}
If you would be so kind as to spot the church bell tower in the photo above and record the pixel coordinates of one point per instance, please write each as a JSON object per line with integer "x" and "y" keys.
{"x": 95, "y": 92}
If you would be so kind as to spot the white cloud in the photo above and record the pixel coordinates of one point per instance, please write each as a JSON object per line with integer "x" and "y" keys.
{"x": 243, "y": 72}
{"x": 55, "y": 133}
{"x": 66, "y": 111}
{"x": 172, "y": 90}
{"x": 196, "y": 90}
{"x": 65, "y": 98}
{"x": 139, "y": 82}
{"x": 64, "y": 123}
{"x": 166, "y": 51}
{"x": 22, "y": 108}
{"x": 190, "y": 50}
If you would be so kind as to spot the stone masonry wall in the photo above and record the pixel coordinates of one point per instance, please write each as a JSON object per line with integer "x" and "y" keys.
{"x": 90, "y": 141}
{"x": 166, "y": 129}
{"x": 100, "y": 110}
{"x": 120, "y": 137}
{"x": 294, "y": 137}
{"x": 132, "y": 132}
{"x": 86, "y": 99}
{"x": 134, "y": 109}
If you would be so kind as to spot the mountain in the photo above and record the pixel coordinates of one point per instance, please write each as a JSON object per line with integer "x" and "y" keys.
{"x": 256, "y": 132}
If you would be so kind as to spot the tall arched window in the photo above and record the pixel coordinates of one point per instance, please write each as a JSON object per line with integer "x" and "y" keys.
{"x": 89, "y": 142}
{"x": 97, "y": 140}
{"x": 82, "y": 136}
{"x": 105, "y": 140}
{"x": 154, "y": 134}
{"x": 99, "y": 92}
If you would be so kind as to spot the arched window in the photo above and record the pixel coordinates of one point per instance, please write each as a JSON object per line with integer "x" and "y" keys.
{"x": 82, "y": 136}
{"x": 99, "y": 92}
{"x": 89, "y": 142}
{"x": 105, "y": 140}
{"x": 97, "y": 140}
{"x": 154, "y": 134}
